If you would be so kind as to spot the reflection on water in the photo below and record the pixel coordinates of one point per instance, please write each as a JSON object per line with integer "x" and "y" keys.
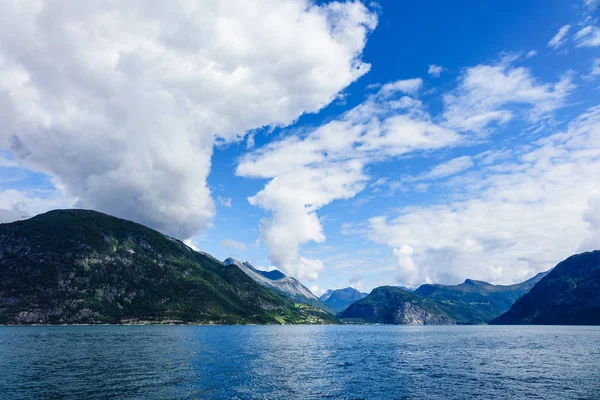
{"x": 178, "y": 362}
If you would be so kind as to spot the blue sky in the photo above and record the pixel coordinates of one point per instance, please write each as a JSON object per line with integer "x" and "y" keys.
{"x": 344, "y": 143}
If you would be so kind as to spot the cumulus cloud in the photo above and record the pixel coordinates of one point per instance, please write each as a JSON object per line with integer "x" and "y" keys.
{"x": 488, "y": 94}
{"x": 308, "y": 172}
{"x": 435, "y": 70}
{"x": 560, "y": 38}
{"x": 16, "y": 205}
{"x": 409, "y": 273}
{"x": 308, "y": 268}
{"x": 191, "y": 245}
{"x": 12, "y": 215}
{"x": 356, "y": 281}
{"x": 592, "y": 218}
{"x": 122, "y": 102}
{"x": 588, "y": 37}
{"x": 233, "y": 244}
{"x": 317, "y": 291}
{"x": 522, "y": 216}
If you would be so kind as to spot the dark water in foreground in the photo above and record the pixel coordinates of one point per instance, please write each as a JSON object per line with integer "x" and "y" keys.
{"x": 173, "y": 362}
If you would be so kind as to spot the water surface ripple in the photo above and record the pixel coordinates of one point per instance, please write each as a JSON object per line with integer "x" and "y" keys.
{"x": 299, "y": 362}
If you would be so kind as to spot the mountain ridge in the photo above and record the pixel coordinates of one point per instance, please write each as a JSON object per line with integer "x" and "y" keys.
{"x": 474, "y": 301}
{"x": 394, "y": 305}
{"x": 468, "y": 303}
{"x": 568, "y": 295}
{"x": 83, "y": 266}
{"x": 340, "y": 299}
{"x": 277, "y": 280}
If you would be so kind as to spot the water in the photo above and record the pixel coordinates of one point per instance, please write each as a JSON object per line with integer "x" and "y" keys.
{"x": 303, "y": 362}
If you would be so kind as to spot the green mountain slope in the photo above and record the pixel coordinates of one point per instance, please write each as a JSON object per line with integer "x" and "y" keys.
{"x": 78, "y": 266}
{"x": 476, "y": 302}
{"x": 568, "y": 295}
{"x": 393, "y": 305}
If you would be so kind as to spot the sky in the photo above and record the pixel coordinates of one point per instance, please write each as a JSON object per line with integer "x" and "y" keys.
{"x": 345, "y": 143}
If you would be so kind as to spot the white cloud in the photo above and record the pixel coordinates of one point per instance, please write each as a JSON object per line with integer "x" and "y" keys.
{"x": 308, "y": 172}
{"x": 489, "y": 94}
{"x": 435, "y": 70}
{"x": 356, "y": 281}
{"x": 531, "y": 53}
{"x": 12, "y": 215}
{"x": 588, "y": 37}
{"x": 408, "y": 270}
{"x": 121, "y": 102}
{"x": 591, "y": 4}
{"x": 595, "y": 69}
{"x": 16, "y": 205}
{"x": 317, "y": 291}
{"x": 308, "y": 268}
{"x": 226, "y": 201}
{"x": 191, "y": 245}
{"x": 312, "y": 169}
{"x": 560, "y": 38}
{"x": 448, "y": 168}
{"x": 592, "y": 218}
{"x": 408, "y": 86}
{"x": 234, "y": 244}
{"x": 522, "y": 216}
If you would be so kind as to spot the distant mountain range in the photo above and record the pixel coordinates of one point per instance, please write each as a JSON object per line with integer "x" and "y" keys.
{"x": 471, "y": 302}
{"x": 340, "y": 299}
{"x": 79, "y": 266}
{"x": 568, "y": 295}
{"x": 394, "y": 305}
{"x": 286, "y": 285}
{"x": 476, "y": 302}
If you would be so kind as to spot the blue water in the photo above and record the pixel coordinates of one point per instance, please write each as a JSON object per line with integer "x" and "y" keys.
{"x": 299, "y": 362}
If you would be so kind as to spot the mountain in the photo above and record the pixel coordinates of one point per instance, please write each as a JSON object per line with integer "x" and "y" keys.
{"x": 568, "y": 295}
{"x": 326, "y": 295}
{"x": 394, "y": 305}
{"x": 476, "y": 302}
{"x": 340, "y": 299}
{"x": 471, "y": 302}
{"x": 286, "y": 285}
{"x": 79, "y": 266}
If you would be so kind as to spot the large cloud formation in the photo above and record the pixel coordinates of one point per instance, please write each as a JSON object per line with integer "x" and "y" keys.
{"x": 122, "y": 102}
{"x": 508, "y": 220}
{"x": 306, "y": 173}
{"x": 309, "y": 170}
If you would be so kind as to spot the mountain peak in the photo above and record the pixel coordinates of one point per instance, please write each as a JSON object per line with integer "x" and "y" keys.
{"x": 473, "y": 282}
{"x": 340, "y": 299}
{"x": 232, "y": 261}
{"x": 82, "y": 266}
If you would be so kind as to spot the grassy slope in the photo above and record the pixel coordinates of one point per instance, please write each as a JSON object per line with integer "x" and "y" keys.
{"x": 82, "y": 266}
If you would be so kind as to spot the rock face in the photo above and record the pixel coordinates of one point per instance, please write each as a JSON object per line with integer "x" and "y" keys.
{"x": 340, "y": 299}
{"x": 476, "y": 302}
{"x": 471, "y": 302}
{"x": 79, "y": 266}
{"x": 286, "y": 285}
{"x": 568, "y": 295}
{"x": 394, "y": 305}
